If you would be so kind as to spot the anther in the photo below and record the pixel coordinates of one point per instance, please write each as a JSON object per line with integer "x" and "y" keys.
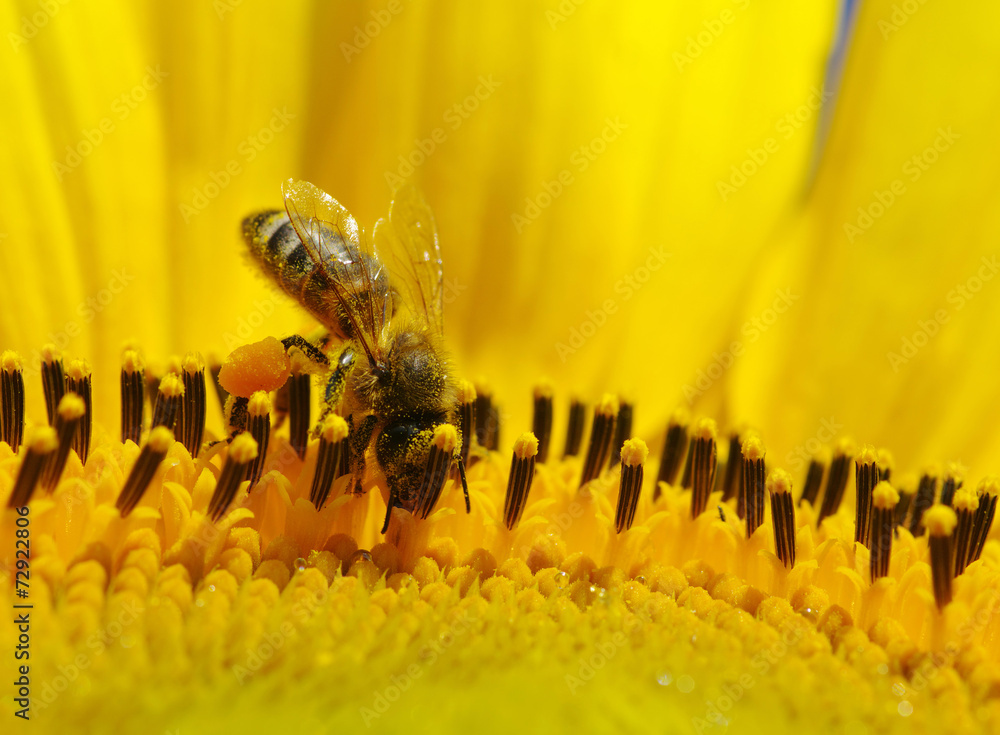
{"x": 866, "y": 474}
{"x": 242, "y": 451}
{"x": 133, "y": 378}
{"x": 923, "y": 499}
{"x": 674, "y": 450}
{"x": 633, "y": 456}
{"x": 940, "y": 522}
{"x": 78, "y": 380}
{"x": 703, "y": 463}
{"x": 40, "y": 449}
{"x": 754, "y": 484}
{"x": 884, "y": 500}
{"x": 836, "y": 483}
{"x": 191, "y": 422}
{"x": 964, "y": 503}
{"x": 522, "y": 473}
{"x": 574, "y": 429}
{"x": 987, "y": 492}
{"x": 886, "y": 463}
{"x": 11, "y": 400}
{"x": 601, "y": 435}
{"x": 332, "y": 443}
{"x": 466, "y": 417}
{"x": 623, "y": 430}
{"x": 168, "y": 401}
{"x": 814, "y": 477}
{"x": 487, "y": 418}
{"x": 259, "y": 426}
{"x": 541, "y": 419}
{"x": 952, "y": 481}
{"x": 150, "y": 456}
{"x": 733, "y": 478}
{"x": 779, "y": 487}
{"x": 53, "y": 380}
{"x": 444, "y": 447}
{"x": 68, "y": 415}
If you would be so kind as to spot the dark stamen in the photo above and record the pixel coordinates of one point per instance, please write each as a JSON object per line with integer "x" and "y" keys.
{"x": 466, "y": 417}
{"x": 623, "y": 430}
{"x": 903, "y": 506}
{"x": 674, "y": 450}
{"x": 53, "y": 380}
{"x": 923, "y": 500}
{"x": 299, "y": 407}
{"x": 703, "y": 462}
{"x": 259, "y": 426}
{"x": 78, "y": 380}
{"x": 574, "y": 429}
{"x": 814, "y": 477}
{"x": 68, "y": 415}
{"x": 964, "y": 502}
{"x": 779, "y": 486}
{"x": 41, "y": 447}
{"x": 541, "y": 420}
{"x": 487, "y": 418}
{"x": 601, "y": 435}
{"x": 242, "y": 451}
{"x": 444, "y": 450}
{"x": 332, "y": 443}
{"x": 138, "y": 480}
{"x": 987, "y": 491}
{"x": 633, "y": 456}
{"x": 885, "y": 464}
{"x": 11, "y": 400}
{"x": 952, "y": 481}
{"x": 940, "y": 522}
{"x": 882, "y": 528}
{"x": 754, "y": 483}
{"x": 191, "y": 422}
{"x": 866, "y": 475}
{"x": 686, "y": 476}
{"x": 168, "y": 401}
{"x": 836, "y": 483}
{"x": 733, "y": 478}
{"x": 522, "y": 473}
{"x": 133, "y": 395}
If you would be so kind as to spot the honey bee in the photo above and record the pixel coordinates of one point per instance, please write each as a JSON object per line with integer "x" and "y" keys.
{"x": 382, "y": 301}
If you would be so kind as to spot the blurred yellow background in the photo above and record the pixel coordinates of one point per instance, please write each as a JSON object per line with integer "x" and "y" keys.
{"x": 666, "y": 200}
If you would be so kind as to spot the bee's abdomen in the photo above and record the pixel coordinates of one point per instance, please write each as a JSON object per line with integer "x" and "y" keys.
{"x": 276, "y": 246}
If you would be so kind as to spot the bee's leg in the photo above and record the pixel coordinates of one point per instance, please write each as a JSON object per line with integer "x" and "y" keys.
{"x": 465, "y": 485}
{"x": 237, "y": 417}
{"x": 308, "y": 349}
{"x": 393, "y": 502}
{"x": 358, "y": 442}
{"x": 337, "y": 384}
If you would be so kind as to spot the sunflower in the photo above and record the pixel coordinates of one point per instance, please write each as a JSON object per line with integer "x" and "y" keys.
{"x": 749, "y": 245}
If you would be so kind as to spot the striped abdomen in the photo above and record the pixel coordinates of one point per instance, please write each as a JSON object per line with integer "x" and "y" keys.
{"x": 277, "y": 247}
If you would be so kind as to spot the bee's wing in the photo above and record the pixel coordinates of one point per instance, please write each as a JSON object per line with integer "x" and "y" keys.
{"x": 335, "y": 244}
{"x": 408, "y": 241}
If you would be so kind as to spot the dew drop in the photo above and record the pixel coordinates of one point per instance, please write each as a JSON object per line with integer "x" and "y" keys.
{"x": 905, "y": 708}
{"x": 300, "y": 564}
{"x": 685, "y": 684}
{"x": 211, "y": 587}
{"x": 898, "y": 689}
{"x": 664, "y": 679}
